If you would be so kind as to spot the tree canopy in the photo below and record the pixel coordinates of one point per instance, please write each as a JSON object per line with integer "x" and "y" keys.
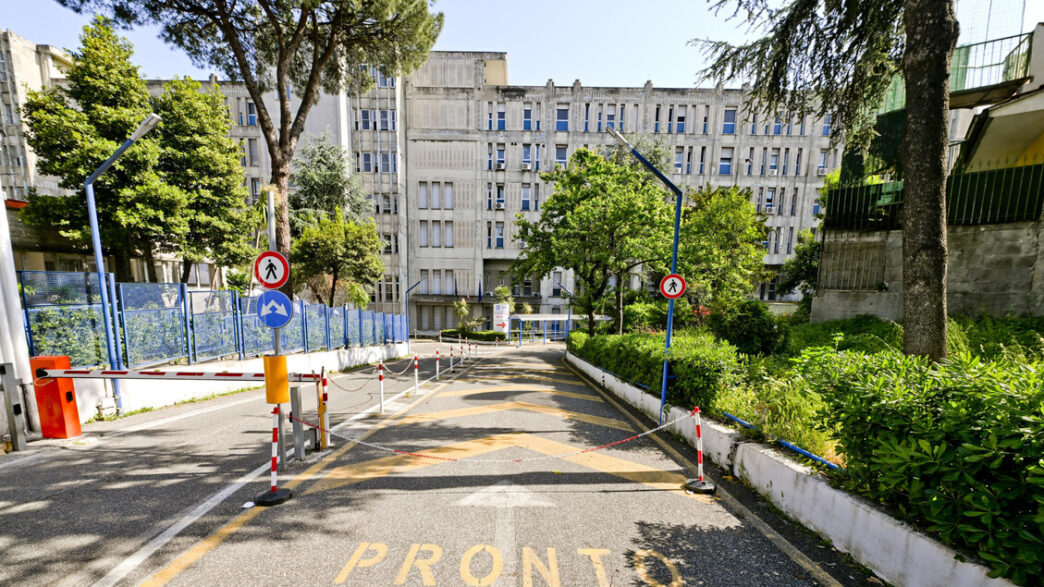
{"x": 75, "y": 128}
{"x": 324, "y": 186}
{"x": 826, "y": 56}
{"x": 337, "y": 252}
{"x": 295, "y": 47}
{"x": 801, "y": 272}
{"x": 602, "y": 221}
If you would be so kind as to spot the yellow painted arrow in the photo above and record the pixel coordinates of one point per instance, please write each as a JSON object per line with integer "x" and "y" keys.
{"x": 473, "y": 411}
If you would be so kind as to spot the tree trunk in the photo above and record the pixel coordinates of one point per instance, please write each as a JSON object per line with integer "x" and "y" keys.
{"x": 123, "y": 262}
{"x": 281, "y": 179}
{"x": 186, "y": 270}
{"x": 931, "y": 33}
{"x": 591, "y": 323}
{"x": 619, "y": 304}
{"x": 333, "y": 289}
{"x": 150, "y": 265}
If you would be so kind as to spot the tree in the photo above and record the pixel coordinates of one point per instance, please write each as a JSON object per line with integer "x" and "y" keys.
{"x": 290, "y": 46}
{"x": 463, "y": 311}
{"x": 339, "y": 252}
{"x": 73, "y": 129}
{"x": 839, "y": 57}
{"x": 324, "y": 187}
{"x": 502, "y": 293}
{"x": 198, "y": 156}
{"x": 602, "y": 221}
{"x": 720, "y": 252}
{"x": 801, "y": 272}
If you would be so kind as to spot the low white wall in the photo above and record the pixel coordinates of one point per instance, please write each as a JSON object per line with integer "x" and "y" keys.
{"x": 894, "y": 550}
{"x": 139, "y": 393}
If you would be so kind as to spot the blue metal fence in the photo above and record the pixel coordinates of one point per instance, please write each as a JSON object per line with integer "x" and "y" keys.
{"x": 164, "y": 322}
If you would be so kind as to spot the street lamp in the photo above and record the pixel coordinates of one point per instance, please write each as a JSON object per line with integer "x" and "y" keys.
{"x": 408, "y": 290}
{"x": 699, "y": 485}
{"x": 569, "y": 308}
{"x": 99, "y": 263}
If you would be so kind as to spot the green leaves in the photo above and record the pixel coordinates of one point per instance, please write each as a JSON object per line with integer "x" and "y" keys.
{"x": 337, "y": 252}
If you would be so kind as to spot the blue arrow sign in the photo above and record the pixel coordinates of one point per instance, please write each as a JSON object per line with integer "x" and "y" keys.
{"x": 274, "y": 309}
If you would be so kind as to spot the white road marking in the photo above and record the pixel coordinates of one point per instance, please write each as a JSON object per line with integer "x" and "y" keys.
{"x": 503, "y": 495}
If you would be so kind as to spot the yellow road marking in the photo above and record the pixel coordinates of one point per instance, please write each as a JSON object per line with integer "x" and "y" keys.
{"x": 473, "y": 411}
{"x": 526, "y": 377}
{"x": 782, "y": 543}
{"x": 516, "y": 366}
{"x": 175, "y": 568}
{"x": 398, "y": 464}
{"x": 463, "y": 392}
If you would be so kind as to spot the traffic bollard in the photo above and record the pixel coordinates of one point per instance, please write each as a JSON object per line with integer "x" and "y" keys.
{"x": 416, "y": 386}
{"x": 699, "y": 485}
{"x": 275, "y": 495}
{"x": 436, "y": 364}
{"x": 380, "y": 378}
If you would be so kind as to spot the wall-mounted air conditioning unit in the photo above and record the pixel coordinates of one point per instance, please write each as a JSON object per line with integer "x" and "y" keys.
{"x": 821, "y": 171}
{"x": 500, "y": 165}
{"x": 500, "y": 205}
{"x": 769, "y": 209}
{"x": 527, "y": 166}
{"x": 773, "y": 171}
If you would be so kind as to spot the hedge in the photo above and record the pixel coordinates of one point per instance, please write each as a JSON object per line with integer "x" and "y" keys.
{"x": 703, "y": 366}
{"x": 481, "y": 335}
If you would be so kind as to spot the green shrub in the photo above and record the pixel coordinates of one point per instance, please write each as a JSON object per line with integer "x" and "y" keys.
{"x": 704, "y": 367}
{"x": 751, "y": 328}
{"x": 480, "y": 335}
{"x": 1010, "y": 336}
{"x": 576, "y": 342}
{"x": 954, "y": 447}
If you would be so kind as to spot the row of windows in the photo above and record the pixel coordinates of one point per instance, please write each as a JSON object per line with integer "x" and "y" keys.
{"x": 376, "y": 120}
{"x": 386, "y": 290}
{"x": 769, "y": 157}
{"x": 497, "y": 116}
{"x": 438, "y": 282}
{"x": 495, "y": 199}
{"x": 767, "y": 202}
{"x": 775, "y": 237}
{"x": 436, "y": 233}
{"x": 376, "y": 162}
{"x": 11, "y": 156}
{"x": 441, "y": 195}
{"x": 250, "y": 153}
{"x": 251, "y": 115}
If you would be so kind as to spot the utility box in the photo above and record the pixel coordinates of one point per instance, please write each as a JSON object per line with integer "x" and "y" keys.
{"x": 56, "y": 400}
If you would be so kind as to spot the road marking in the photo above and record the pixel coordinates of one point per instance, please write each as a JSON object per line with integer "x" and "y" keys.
{"x": 496, "y": 566}
{"x": 760, "y": 525}
{"x": 523, "y": 377}
{"x": 539, "y": 367}
{"x": 596, "y": 554}
{"x": 503, "y": 495}
{"x": 475, "y": 410}
{"x": 639, "y": 565}
{"x": 201, "y": 548}
{"x": 531, "y": 560}
{"x": 357, "y": 561}
{"x": 464, "y": 392}
{"x": 423, "y": 564}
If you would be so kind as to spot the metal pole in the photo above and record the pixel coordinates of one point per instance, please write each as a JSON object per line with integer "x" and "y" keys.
{"x": 298, "y": 429}
{"x": 674, "y": 254}
{"x": 13, "y": 395}
{"x": 408, "y": 290}
{"x": 277, "y": 343}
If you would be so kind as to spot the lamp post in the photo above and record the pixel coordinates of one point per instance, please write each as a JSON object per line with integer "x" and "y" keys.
{"x": 99, "y": 262}
{"x": 674, "y": 253}
{"x": 569, "y": 307}
{"x": 408, "y": 290}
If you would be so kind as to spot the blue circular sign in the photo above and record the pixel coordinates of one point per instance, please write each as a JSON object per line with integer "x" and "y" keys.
{"x": 274, "y": 309}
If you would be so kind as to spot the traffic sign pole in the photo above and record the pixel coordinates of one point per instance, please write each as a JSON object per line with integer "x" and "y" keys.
{"x": 277, "y": 342}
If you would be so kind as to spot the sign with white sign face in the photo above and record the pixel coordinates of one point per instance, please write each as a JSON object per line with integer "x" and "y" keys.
{"x": 271, "y": 269}
{"x": 672, "y": 286}
{"x": 500, "y": 317}
{"x": 274, "y": 309}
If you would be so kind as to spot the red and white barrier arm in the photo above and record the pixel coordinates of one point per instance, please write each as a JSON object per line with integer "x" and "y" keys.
{"x": 166, "y": 375}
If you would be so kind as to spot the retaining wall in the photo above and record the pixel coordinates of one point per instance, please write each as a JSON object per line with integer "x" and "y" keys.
{"x": 894, "y": 550}
{"x": 138, "y": 393}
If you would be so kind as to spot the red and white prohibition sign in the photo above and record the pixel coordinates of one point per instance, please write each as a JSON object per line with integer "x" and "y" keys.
{"x": 672, "y": 286}
{"x": 271, "y": 269}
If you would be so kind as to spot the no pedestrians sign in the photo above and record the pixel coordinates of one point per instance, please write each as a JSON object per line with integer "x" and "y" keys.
{"x": 271, "y": 269}
{"x": 672, "y": 286}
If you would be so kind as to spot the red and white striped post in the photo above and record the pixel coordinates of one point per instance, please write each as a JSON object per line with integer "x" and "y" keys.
{"x": 451, "y": 358}
{"x": 436, "y": 364}
{"x": 416, "y": 377}
{"x": 380, "y": 378}
{"x": 275, "y": 495}
{"x": 699, "y": 485}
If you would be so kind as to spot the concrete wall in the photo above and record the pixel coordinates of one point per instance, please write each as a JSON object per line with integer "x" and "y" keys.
{"x": 992, "y": 269}
{"x": 138, "y": 394}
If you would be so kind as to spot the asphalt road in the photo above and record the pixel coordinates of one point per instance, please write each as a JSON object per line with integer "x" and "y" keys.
{"x": 493, "y": 492}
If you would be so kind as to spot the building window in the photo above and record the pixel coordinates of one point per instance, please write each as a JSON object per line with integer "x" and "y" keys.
{"x": 797, "y": 163}
{"x": 764, "y": 160}
{"x": 9, "y": 114}
{"x": 679, "y": 126}
{"x": 489, "y": 196}
{"x": 500, "y": 235}
{"x": 782, "y": 200}
{"x": 826, "y": 125}
{"x": 501, "y": 156}
{"x": 610, "y": 116}
{"x": 422, "y": 196}
{"x": 754, "y": 124}
{"x": 587, "y": 117}
{"x": 367, "y": 162}
{"x": 793, "y": 202}
{"x": 489, "y": 235}
{"x": 703, "y": 158}
{"x": 822, "y": 161}
{"x": 688, "y": 160}
{"x": 436, "y": 196}
{"x": 562, "y": 118}
{"x": 536, "y": 157}
{"x": 242, "y": 155}
{"x": 775, "y": 248}
{"x": 750, "y": 161}
{"x": 706, "y": 118}
{"x": 729, "y": 126}
{"x": 786, "y": 156}
{"x": 679, "y": 159}
{"x": 770, "y": 200}
{"x": 561, "y": 158}
{"x": 777, "y": 125}
{"x": 255, "y": 188}
{"x": 526, "y": 154}
{"x": 447, "y": 234}
{"x": 536, "y": 196}
{"x": 489, "y": 156}
{"x": 251, "y": 114}
{"x": 489, "y": 113}
{"x": 656, "y": 120}
{"x": 801, "y": 126}
{"x": 556, "y": 284}
{"x": 364, "y": 119}
{"x": 447, "y": 196}
{"x": 252, "y": 149}
{"x": 670, "y": 119}
{"x": 386, "y": 199}
{"x": 436, "y": 233}
{"x": 501, "y": 117}
{"x": 500, "y": 196}
{"x": 384, "y": 119}
{"x": 725, "y": 165}
{"x": 423, "y": 233}
{"x": 774, "y": 162}
{"x": 790, "y": 239}
{"x": 816, "y": 207}
{"x": 527, "y": 117}
{"x": 526, "y": 194}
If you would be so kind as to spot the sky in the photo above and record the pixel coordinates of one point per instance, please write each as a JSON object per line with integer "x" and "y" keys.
{"x": 599, "y": 42}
